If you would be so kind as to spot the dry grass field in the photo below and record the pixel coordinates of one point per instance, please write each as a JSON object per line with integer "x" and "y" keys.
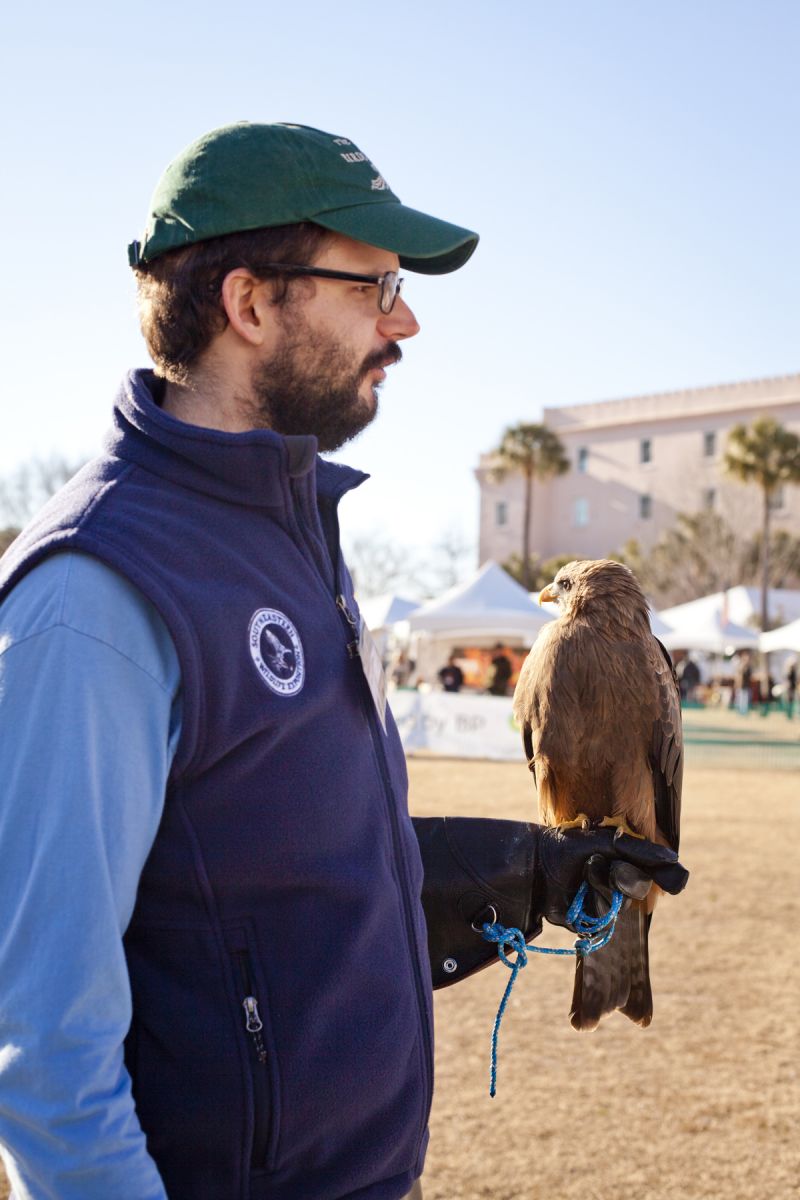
{"x": 703, "y": 1105}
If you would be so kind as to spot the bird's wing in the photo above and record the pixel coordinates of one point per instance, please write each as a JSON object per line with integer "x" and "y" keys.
{"x": 667, "y": 746}
{"x": 642, "y": 730}
{"x": 276, "y": 644}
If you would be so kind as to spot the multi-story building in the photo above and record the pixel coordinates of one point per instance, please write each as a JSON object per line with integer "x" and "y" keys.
{"x": 635, "y": 465}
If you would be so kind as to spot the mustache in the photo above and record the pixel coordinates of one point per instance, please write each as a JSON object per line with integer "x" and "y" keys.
{"x": 390, "y": 354}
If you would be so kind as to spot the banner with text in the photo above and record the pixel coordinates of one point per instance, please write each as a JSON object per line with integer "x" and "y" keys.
{"x": 458, "y": 725}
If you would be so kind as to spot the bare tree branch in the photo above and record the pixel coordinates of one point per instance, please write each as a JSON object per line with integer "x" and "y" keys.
{"x": 26, "y": 489}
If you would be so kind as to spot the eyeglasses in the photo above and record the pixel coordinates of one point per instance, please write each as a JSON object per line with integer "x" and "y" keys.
{"x": 389, "y": 285}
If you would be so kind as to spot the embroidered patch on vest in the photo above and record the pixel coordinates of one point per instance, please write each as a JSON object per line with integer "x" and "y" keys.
{"x": 277, "y": 651}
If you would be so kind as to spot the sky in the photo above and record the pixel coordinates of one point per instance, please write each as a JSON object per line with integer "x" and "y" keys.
{"x": 630, "y": 165}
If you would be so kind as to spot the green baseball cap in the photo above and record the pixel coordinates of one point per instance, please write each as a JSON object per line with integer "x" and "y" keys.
{"x": 250, "y": 176}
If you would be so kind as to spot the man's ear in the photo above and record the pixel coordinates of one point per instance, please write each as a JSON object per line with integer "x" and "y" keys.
{"x": 247, "y": 307}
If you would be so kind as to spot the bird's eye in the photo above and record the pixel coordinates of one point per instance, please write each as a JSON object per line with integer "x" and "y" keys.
{"x": 566, "y": 584}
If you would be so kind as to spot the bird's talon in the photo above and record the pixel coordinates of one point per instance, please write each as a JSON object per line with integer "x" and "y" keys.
{"x": 579, "y": 822}
{"x": 621, "y": 827}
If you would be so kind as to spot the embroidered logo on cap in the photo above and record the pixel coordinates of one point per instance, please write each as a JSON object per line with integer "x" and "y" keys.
{"x": 277, "y": 651}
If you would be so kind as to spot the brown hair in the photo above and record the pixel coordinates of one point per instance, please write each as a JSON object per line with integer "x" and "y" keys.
{"x": 180, "y": 305}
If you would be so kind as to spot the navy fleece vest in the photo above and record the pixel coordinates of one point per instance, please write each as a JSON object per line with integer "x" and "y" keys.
{"x": 282, "y": 890}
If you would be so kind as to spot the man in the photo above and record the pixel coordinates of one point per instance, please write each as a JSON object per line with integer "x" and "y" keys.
{"x": 451, "y": 676}
{"x": 213, "y": 953}
{"x": 499, "y": 672}
{"x": 688, "y": 674}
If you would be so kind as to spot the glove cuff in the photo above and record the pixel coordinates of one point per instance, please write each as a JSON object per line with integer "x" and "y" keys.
{"x": 477, "y": 870}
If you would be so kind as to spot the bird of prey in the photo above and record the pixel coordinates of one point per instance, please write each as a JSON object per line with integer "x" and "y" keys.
{"x": 599, "y": 708}
{"x": 279, "y": 651}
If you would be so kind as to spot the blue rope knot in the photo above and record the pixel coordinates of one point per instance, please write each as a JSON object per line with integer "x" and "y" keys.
{"x": 512, "y": 938}
{"x": 595, "y": 932}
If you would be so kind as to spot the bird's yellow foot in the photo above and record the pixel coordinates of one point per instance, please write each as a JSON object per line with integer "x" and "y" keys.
{"x": 621, "y": 824}
{"x": 579, "y": 822}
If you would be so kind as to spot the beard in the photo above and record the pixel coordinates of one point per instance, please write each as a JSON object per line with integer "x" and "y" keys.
{"x": 310, "y": 385}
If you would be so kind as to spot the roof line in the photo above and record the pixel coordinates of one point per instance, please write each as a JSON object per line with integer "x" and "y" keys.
{"x": 707, "y": 387}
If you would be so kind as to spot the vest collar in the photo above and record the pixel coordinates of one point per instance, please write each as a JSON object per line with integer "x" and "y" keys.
{"x": 252, "y": 468}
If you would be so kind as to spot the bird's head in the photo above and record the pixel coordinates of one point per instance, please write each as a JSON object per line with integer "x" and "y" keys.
{"x": 593, "y": 584}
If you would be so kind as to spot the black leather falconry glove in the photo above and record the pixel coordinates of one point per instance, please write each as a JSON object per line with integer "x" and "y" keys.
{"x": 481, "y": 870}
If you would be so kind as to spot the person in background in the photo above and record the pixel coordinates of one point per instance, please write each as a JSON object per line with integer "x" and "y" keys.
{"x": 688, "y": 674}
{"x": 400, "y": 669}
{"x": 790, "y": 688}
{"x": 451, "y": 677}
{"x": 743, "y": 682}
{"x": 765, "y": 684}
{"x": 499, "y": 672}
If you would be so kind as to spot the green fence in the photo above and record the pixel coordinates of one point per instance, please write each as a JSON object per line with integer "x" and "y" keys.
{"x": 721, "y": 738}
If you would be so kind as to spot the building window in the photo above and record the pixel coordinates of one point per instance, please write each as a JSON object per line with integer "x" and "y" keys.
{"x": 645, "y": 507}
{"x": 645, "y": 450}
{"x": 709, "y": 444}
{"x": 580, "y": 513}
{"x": 777, "y": 499}
{"x": 501, "y": 513}
{"x": 582, "y": 459}
{"x": 709, "y": 499}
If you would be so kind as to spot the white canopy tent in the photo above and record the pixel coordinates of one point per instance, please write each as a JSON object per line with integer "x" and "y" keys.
{"x": 702, "y": 625}
{"x": 785, "y": 638}
{"x": 382, "y": 614}
{"x": 744, "y": 604}
{"x": 659, "y": 627}
{"x": 489, "y": 607}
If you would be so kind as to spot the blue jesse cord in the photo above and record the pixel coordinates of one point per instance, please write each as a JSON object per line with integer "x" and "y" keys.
{"x": 595, "y": 932}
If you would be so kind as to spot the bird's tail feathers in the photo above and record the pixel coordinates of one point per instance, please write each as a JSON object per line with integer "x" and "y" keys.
{"x": 616, "y": 977}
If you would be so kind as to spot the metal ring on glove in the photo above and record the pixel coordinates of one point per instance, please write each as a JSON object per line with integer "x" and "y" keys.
{"x": 490, "y": 921}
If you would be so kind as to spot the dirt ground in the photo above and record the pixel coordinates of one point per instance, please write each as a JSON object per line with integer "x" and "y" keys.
{"x": 704, "y": 1104}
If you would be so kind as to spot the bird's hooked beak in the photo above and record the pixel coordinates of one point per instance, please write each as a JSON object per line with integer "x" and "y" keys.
{"x": 549, "y": 593}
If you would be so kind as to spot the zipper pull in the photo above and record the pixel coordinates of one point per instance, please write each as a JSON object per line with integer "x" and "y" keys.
{"x": 341, "y": 604}
{"x": 254, "y": 1026}
{"x": 253, "y": 1020}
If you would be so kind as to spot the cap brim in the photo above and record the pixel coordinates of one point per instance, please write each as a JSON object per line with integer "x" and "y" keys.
{"x": 422, "y": 243}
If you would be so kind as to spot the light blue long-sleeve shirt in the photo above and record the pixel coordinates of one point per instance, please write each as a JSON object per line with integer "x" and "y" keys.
{"x": 89, "y": 722}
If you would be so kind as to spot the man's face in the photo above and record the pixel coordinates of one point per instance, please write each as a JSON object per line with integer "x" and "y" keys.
{"x": 332, "y": 343}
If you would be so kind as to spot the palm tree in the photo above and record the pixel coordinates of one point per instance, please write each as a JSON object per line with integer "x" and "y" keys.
{"x": 784, "y": 559}
{"x": 541, "y": 573}
{"x": 538, "y": 453}
{"x": 767, "y": 454}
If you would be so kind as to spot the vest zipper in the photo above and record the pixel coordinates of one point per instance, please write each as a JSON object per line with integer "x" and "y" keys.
{"x": 353, "y": 626}
{"x": 253, "y": 1026}
{"x": 399, "y": 855}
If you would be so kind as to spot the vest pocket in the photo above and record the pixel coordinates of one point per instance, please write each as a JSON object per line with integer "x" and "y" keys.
{"x": 253, "y": 1031}
{"x": 257, "y": 1058}
{"x": 186, "y": 1057}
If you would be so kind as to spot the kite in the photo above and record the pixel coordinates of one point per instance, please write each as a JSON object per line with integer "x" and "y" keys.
{"x": 599, "y": 708}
